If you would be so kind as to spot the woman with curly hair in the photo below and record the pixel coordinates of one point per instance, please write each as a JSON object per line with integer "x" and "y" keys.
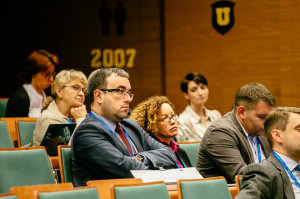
{"x": 157, "y": 117}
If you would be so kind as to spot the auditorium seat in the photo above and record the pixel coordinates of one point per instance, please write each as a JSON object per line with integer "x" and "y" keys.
{"x": 191, "y": 148}
{"x": 204, "y": 188}
{"x": 75, "y": 193}
{"x": 24, "y": 166}
{"x": 5, "y": 138}
{"x": 238, "y": 182}
{"x": 150, "y": 190}
{"x": 65, "y": 163}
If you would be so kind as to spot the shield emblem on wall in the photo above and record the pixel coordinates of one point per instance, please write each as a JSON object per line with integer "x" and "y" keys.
{"x": 222, "y": 16}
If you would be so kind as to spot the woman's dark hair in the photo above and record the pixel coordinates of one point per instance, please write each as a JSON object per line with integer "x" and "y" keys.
{"x": 194, "y": 76}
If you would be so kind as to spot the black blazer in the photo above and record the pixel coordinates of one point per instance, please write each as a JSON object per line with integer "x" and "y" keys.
{"x": 18, "y": 104}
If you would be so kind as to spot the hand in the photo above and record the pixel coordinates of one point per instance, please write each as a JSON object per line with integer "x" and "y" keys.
{"x": 78, "y": 112}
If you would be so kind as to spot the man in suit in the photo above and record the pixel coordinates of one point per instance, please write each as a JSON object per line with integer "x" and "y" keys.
{"x": 236, "y": 139}
{"x": 107, "y": 145}
{"x": 279, "y": 175}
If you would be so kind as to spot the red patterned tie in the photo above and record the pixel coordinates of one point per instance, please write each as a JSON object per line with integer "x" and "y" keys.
{"x": 121, "y": 133}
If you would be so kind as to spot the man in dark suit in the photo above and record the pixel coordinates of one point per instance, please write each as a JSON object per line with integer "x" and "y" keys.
{"x": 236, "y": 139}
{"x": 107, "y": 145}
{"x": 279, "y": 175}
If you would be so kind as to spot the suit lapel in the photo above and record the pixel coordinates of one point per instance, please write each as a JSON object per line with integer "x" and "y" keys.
{"x": 112, "y": 136}
{"x": 135, "y": 139}
{"x": 288, "y": 191}
{"x": 242, "y": 135}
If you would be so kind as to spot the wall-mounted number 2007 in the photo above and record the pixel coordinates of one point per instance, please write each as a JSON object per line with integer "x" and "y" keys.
{"x": 113, "y": 58}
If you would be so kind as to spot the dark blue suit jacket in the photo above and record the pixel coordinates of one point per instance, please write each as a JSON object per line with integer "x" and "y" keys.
{"x": 99, "y": 154}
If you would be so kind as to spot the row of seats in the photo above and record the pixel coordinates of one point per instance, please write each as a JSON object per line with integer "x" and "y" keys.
{"x": 16, "y": 131}
{"x": 208, "y": 188}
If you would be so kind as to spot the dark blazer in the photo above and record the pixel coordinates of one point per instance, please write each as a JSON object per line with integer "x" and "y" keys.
{"x": 266, "y": 180}
{"x": 225, "y": 150}
{"x": 18, "y": 104}
{"x": 99, "y": 154}
{"x": 183, "y": 157}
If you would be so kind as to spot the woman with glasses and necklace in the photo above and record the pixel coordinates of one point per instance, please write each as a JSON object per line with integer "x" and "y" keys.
{"x": 157, "y": 117}
{"x": 67, "y": 105}
{"x": 28, "y": 100}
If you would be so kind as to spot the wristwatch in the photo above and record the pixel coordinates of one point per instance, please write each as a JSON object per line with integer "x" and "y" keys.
{"x": 139, "y": 157}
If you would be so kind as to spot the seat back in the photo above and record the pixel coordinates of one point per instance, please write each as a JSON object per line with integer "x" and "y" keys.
{"x": 238, "y": 182}
{"x": 104, "y": 186}
{"x": 3, "y": 103}
{"x": 191, "y": 148}
{"x": 8, "y": 196}
{"x": 157, "y": 190}
{"x": 65, "y": 163}
{"x": 25, "y": 131}
{"x": 24, "y": 166}
{"x": 75, "y": 193}
{"x": 12, "y": 127}
{"x": 5, "y": 138}
{"x": 206, "y": 188}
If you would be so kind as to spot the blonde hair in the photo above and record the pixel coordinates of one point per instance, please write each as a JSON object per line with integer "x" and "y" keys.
{"x": 148, "y": 111}
{"x": 63, "y": 78}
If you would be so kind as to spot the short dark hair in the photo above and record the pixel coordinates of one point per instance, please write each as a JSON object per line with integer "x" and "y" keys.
{"x": 194, "y": 76}
{"x": 278, "y": 119}
{"x": 250, "y": 94}
{"x": 97, "y": 79}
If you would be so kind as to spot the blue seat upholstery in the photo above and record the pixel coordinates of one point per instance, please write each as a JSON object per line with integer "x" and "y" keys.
{"x": 5, "y": 138}
{"x": 192, "y": 151}
{"x": 24, "y": 166}
{"x": 205, "y": 188}
{"x": 25, "y": 130}
{"x": 76, "y": 193}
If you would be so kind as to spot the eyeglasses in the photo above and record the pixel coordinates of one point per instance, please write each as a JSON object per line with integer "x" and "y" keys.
{"x": 78, "y": 89}
{"x": 168, "y": 119}
{"x": 120, "y": 92}
{"x": 49, "y": 75}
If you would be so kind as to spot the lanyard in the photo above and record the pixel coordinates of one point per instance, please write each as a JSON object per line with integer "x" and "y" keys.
{"x": 127, "y": 137}
{"x": 286, "y": 168}
{"x": 69, "y": 121}
{"x": 180, "y": 160}
{"x": 258, "y": 147}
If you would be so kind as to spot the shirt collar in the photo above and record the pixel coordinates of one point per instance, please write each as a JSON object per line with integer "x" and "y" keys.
{"x": 173, "y": 145}
{"x": 196, "y": 116}
{"x": 109, "y": 123}
{"x": 290, "y": 163}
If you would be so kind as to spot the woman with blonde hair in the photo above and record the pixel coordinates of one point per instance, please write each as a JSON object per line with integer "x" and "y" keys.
{"x": 157, "y": 117}
{"x": 66, "y": 105}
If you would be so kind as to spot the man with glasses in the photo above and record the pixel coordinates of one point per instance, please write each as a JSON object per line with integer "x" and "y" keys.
{"x": 107, "y": 145}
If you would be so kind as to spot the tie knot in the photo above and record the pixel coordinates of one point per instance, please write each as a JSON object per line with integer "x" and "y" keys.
{"x": 119, "y": 129}
{"x": 298, "y": 167}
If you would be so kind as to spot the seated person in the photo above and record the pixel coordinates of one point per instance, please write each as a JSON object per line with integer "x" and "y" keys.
{"x": 279, "y": 175}
{"x": 67, "y": 105}
{"x": 195, "y": 119}
{"x": 106, "y": 144}
{"x": 28, "y": 100}
{"x": 157, "y": 117}
{"x": 237, "y": 139}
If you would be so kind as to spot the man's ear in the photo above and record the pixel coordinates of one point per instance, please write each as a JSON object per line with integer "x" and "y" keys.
{"x": 277, "y": 136}
{"x": 98, "y": 96}
{"x": 241, "y": 112}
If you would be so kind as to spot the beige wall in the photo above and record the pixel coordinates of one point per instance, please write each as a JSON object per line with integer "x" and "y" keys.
{"x": 263, "y": 46}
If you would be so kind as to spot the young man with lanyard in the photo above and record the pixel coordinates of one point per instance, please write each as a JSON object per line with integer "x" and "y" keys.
{"x": 279, "y": 175}
{"x": 107, "y": 145}
{"x": 236, "y": 139}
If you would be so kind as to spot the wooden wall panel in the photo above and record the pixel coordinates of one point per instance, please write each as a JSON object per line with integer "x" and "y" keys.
{"x": 262, "y": 46}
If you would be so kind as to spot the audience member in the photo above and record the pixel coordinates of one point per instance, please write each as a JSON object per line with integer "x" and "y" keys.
{"x": 279, "y": 175}
{"x": 157, "y": 117}
{"x": 195, "y": 119}
{"x": 107, "y": 145}
{"x": 28, "y": 100}
{"x": 67, "y": 105}
{"x": 237, "y": 139}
